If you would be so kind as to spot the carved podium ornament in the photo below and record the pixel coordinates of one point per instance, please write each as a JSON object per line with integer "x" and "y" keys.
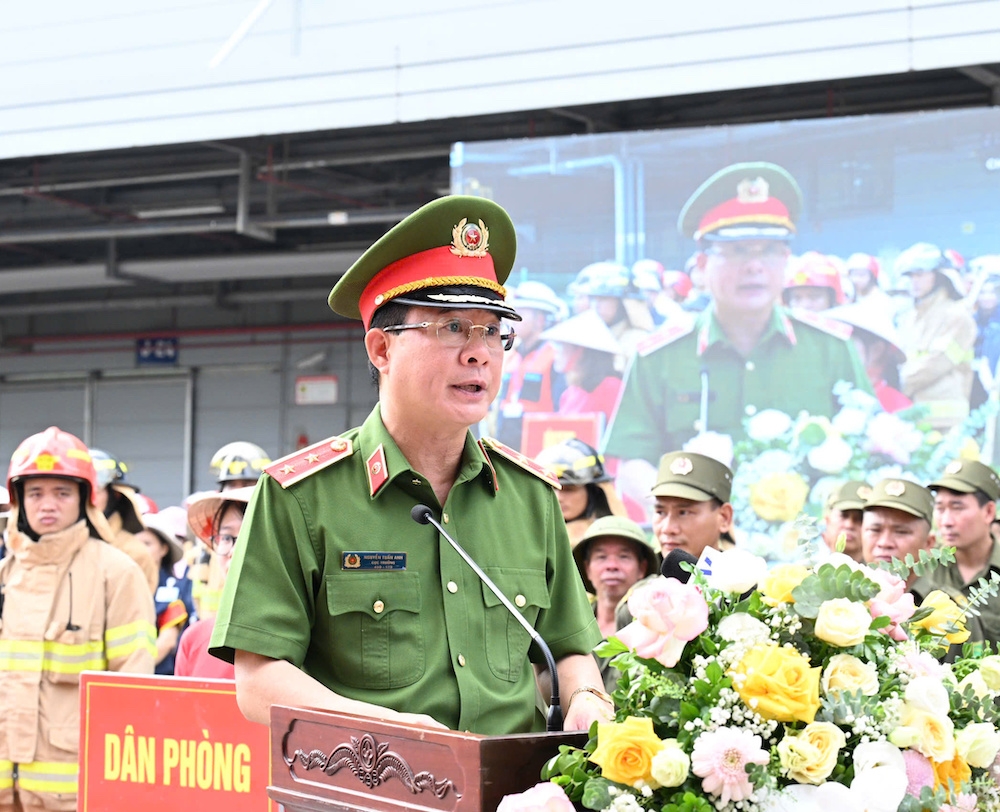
{"x": 372, "y": 764}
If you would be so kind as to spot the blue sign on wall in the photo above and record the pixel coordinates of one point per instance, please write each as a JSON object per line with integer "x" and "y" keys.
{"x": 155, "y": 351}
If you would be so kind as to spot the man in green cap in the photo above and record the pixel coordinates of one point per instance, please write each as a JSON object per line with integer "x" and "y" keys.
{"x": 843, "y": 517}
{"x": 613, "y": 555}
{"x": 897, "y": 522}
{"x": 745, "y": 352}
{"x": 692, "y": 510}
{"x": 336, "y": 597}
{"x": 964, "y": 510}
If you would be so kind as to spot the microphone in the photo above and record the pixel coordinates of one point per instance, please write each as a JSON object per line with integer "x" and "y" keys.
{"x": 422, "y": 514}
{"x": 671, "y": 566}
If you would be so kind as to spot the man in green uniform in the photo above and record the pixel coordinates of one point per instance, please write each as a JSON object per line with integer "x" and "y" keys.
{"x": 964, "y": 509}
{"x": 336, "y": 598}
{"x": 843, "y": 517}
{"x": 745, "y": 352}
{"x": 896, "y": 522}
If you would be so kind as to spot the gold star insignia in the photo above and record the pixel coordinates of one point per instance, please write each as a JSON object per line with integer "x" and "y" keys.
{"x": 288, "y": 469}
{"x": 312, "y": 458}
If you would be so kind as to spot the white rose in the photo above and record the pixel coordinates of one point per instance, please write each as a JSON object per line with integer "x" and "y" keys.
{"x": 974, "y": 679}
{"x": 845, "y": 672}
{"x": 928, "y": 694}
{"x": 831, "y": 456}
{"x": 768, "y": 424}
{"x": 808, "y": 798}
{"x": 842, "y": 622}
{"x": 989, "y": 667}
{"x": 978, "y": 744}
{"x": 850, "y": 420}
{"x": 736, "y": 571}
{"x": 712, "y": 444}
{"x": 773, "y": 461}
{"x": 741, "y": 626}
{"x": 879, "y": 776}
{"x": 670, "y": 765}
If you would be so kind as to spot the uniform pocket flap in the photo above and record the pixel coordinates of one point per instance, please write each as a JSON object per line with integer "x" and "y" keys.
{"x": 522, "y": 587}
{"x": 375, "y": 594}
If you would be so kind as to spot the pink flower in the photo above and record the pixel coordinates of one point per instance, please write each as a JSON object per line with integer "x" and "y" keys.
{"x": 720, "y": 757}
{"x": 892, "y": 601}
{"x": 544, "y": 797}
{"x": 922, "y": 664}
{"x": 893, "y": 436}
{"x": 919, "y": 772}
{"x": 667, "y": 614}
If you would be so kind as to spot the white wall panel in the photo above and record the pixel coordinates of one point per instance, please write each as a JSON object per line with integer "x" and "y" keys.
{"x": 110, "y": 74}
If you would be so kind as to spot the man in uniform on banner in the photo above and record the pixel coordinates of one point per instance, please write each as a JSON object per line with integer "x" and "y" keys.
{"x": 337, "y": 598}
{"x": 745, "y": 352}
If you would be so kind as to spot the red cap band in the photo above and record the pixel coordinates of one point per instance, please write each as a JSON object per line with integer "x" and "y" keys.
{"x": 433, "y": 268}
{"x": 736, "y": 212}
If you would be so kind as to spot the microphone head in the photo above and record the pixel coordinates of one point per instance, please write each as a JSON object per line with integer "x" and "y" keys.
{"x": 671, "y": 566}
{"x": 421, "y": 514}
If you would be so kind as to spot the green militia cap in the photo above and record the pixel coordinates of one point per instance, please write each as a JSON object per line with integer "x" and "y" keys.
{"x": 969, "y": 476}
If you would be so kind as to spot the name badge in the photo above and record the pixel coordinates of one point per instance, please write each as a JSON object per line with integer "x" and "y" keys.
{"x": 373, "y": 561}
{"x": 166, "y": 594}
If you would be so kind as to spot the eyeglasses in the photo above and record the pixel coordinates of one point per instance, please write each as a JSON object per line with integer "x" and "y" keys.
{"x": 458, "y": 332}
{"x": 767, "y": 251}
{"x": 223, "y": 544}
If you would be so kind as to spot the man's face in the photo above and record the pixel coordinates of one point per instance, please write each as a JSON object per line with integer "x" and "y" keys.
{"x": 847, "y": 522}
{"x": 531, "y": 326}
{"x": 961, "y": 522}
{"x": 888, "y": 533}
{"x": 607, "y": 307}
{"x": 683, "y": 524}
{"x": 920, "y": 283}
{"x": 861, "y": 278}
{"x": 810, "y": 297}
{"x": 51, "y": 504}
{"x": 745, "y": 276}
{"x": 612, "y": 566}
{"x": 428, "y": 386}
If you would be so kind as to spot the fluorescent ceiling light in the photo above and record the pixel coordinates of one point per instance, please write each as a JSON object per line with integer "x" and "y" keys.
{"x": 180, "y": 211}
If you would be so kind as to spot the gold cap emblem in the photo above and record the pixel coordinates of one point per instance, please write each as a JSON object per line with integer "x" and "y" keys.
{"x": 469, "y": 239}
{"x": 895, "y": 488}
{"x": 953, "y": 467}
{"x": 864, "y": 492}
{"x": 753, "y": 190}
{"x": 682, "y": 466}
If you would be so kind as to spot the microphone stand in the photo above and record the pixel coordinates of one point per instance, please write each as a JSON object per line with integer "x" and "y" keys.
{"x": 423, "y": 515}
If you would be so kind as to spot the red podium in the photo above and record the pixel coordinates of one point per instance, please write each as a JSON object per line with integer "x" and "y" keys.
{"x": 330, "y": 762}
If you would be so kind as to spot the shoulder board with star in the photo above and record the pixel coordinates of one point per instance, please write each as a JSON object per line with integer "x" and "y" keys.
{"x": 665, "y": 335}
{"x": 521, "y": 461}
{"x": 821, "y": 322}
{"x": 306, "y": 461}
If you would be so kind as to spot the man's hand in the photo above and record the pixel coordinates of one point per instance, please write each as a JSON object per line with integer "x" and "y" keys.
{"x": 585, "y": 708}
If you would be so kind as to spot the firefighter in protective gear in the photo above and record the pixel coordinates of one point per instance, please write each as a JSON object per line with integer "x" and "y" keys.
{"x": 529, "y": 384}
{"x": 71, "y": 602}
{"x": 238, "y": 464}
{"x": 613, "y": 294}
{"x": 813, "y": 283}
{"x": 937, "y": 334}
{"x": 116, "y": 500}
{"x": 587, "y": 491}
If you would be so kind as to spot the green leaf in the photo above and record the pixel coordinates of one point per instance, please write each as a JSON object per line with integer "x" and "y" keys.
{"x": 596, "y": 794}
{"x": 830, "y": 583}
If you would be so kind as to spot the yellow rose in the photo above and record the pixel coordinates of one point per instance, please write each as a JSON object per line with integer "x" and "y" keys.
{"x": 846, "y": 673}
{"x": 779, "y": 497}
{"x": 978, "y": 744}
{"x": 945, "y": 611}
{"x": 671, "y": 765}
{"x": 989, "y": 667}
{"x": 779, "y": 582}
{"x": 953, "y": 770}
{"x": 778, "y": 683}
{"x": 810, "y": 756}
{"x": 842, "y": 622}
{"x": 625, "y": 750}
{"x": 932, "y": 735}
{"x": 969, "y": 450}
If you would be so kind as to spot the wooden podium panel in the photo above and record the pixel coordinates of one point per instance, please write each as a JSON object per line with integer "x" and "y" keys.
{"x": 330, "y": 762}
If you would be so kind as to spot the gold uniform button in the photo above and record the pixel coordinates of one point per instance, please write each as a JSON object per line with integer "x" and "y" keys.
{"x": 444, "y": 516}
{"x": 520, "y": 601}
{"x": 417, "y": 482}
{"x": 461, "y": 660}
{"x": 379, "y": 607}
{"x": 452, "y": 587}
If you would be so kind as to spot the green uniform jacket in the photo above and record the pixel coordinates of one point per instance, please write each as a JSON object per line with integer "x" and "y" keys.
{"x": 949, "y": 580}
{"x": 428, "y": 638}
{"x": 793, "y": 368}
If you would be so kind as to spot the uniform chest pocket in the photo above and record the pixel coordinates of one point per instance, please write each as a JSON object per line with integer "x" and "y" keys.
{"x": 378, "y": 637}
{"x": 506, "y": 640}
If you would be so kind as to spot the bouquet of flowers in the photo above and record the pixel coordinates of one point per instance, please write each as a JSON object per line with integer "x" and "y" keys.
{"x": 791, "y": 688}
{"x": 788, "y": 466}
